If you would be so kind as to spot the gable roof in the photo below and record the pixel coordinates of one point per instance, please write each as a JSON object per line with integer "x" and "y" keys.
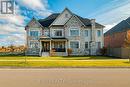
{"x": 87, "y": 21}
{"x": 33, "y": 19}
{"x": 50, "y": 19}
{"x": 120, "y": 27}
{"x": 66, "y": 9}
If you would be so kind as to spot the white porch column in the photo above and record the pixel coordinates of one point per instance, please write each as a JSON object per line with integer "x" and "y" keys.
{"x": 66, "y": 47}
{"x": 40, "y": 48}
{"x": 50, "y": 45}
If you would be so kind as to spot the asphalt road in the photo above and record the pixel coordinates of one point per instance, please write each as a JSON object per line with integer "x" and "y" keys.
{"x": 76, "y": 77}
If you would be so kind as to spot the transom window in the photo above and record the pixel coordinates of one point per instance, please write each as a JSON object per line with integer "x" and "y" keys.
{"x": 34, "y": 33}
{"x": 58, "y": 33}
{"x": 74, "y": 32}
{"x": 98, "y": 33}
{"x": 74, "y": 44}
{"x": 86, "y": 33}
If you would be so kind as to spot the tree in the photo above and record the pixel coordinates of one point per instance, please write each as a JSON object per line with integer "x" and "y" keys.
{"x": 127, "y": 43}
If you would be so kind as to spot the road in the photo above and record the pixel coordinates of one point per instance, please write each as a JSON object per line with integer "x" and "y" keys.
{"x": 68, "y": 77}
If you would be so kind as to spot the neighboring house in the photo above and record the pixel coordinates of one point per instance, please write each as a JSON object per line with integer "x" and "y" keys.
{"x": 61, "y": 31}
{"x": 117, "y": 39}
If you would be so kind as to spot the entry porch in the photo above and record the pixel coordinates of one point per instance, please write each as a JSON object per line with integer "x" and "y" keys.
{"x": 53, "y": 47}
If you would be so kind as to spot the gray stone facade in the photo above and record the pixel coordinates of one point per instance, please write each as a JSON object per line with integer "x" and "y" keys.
{"x": 46, "y": 41}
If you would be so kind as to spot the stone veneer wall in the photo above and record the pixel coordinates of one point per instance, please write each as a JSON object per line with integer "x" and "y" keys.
{"x": 75, "y": 23}
{"x": 33, "y": 26}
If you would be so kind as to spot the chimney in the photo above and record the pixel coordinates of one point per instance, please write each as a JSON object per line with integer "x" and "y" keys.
{"x": 93, "y": 22}
{"x": 93, "y": 42}
{"x": 93, "y": 29}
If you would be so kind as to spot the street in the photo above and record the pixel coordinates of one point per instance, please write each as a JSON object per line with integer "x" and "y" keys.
{"x": 65, "y": 77}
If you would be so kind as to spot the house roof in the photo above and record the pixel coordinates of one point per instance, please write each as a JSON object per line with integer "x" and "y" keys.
{"x": 120, "y": 27}
{"x": 47, "y": 21}
{"x": 87, "y": 21}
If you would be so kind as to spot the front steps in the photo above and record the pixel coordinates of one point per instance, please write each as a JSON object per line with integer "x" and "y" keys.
{"x": 45, "y": 54}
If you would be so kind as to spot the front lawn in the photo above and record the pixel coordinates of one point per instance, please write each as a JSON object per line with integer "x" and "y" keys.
{"x": 90, "y": 61}
{"x": 54, "y": 58}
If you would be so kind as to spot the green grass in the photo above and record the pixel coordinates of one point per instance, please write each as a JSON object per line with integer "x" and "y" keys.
{"x": 54, "y": 58}
{"x": 89, "y": 61}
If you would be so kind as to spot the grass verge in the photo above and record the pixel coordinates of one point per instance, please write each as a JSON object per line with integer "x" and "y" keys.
{"x": 57, "y": 62}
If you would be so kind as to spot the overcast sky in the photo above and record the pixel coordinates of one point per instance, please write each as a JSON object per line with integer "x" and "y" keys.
{"x": 106, "y": 12}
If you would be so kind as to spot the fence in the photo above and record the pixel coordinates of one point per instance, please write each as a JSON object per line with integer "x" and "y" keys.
{"x": 119, "y": 52}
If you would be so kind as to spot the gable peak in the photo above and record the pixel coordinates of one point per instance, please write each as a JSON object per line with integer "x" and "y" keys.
{"x": 66, "y": 9}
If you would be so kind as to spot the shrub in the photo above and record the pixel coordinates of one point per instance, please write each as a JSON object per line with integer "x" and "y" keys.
{"x": 103, "y": 51}
{"x": 69, "y": 50}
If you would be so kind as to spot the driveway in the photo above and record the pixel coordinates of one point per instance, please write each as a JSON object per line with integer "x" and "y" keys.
{"x": 68, "y": 77}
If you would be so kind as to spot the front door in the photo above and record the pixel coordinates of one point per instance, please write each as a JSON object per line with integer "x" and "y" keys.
{"x": 46, "y": 46}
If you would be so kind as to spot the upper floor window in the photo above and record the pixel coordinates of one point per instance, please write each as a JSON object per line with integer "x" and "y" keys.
{"x": 74, "y": 44}
{"x": 98, "y": 33}
{"x": 86, "y": 33}
{"x": 74, "y": 32}
{"x": 58, "y": 33}
{"x": 34, "y": 33}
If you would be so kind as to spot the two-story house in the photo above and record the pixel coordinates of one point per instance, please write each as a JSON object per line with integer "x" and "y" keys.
{"x": 61, "y": 31}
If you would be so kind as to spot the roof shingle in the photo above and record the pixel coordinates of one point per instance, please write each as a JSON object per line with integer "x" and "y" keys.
{"x": 120, "y": 27}
{"x": 47, "y": 21}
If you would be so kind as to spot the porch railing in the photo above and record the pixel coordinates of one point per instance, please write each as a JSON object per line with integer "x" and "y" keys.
{"x": 59, "y": 49}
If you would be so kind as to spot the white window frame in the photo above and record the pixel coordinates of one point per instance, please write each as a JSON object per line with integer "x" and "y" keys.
{"x": 53, "y": 32}
{"x": 34, "y": 30}
{"x": 74, "y": 41}
{"x": 85, "y": 34}
{"x": 33, "y": 42}
{"x": 85, "y": 45}
{"x": 74, "y": 29}
{"x": 100, "y": 33}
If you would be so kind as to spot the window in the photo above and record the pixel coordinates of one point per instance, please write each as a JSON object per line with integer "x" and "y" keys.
{"x": 74, "y": 44}
{"x": 74, "y": 32}
{"x": 58, "y": 33}
{"x": 98, "y": 33}
{"x": 66, "y": 15}
{"x": 86, "y": 45}
{"x": 33, "y": 44}
{"x": 34, "y": 33}
{"x": 86, "y": 33}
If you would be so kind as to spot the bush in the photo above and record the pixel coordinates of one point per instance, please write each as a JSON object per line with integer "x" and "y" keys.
{"x": 69, "y": 50}
{"x": 12, "y": 53}
{"x": 103, "y": 51}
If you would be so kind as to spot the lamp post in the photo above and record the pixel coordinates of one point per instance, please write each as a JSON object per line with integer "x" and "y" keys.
{"x": 25, "y": 60}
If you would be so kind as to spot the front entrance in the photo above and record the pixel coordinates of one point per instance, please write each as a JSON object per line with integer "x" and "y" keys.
{"x": 45, "y": 46}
